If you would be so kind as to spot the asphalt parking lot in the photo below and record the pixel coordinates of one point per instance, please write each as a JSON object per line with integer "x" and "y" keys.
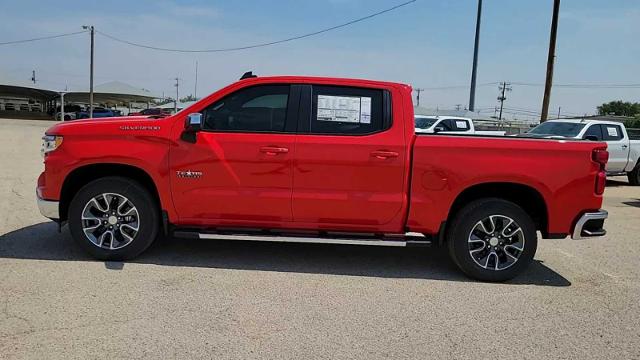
{"x": 229, "y": 300}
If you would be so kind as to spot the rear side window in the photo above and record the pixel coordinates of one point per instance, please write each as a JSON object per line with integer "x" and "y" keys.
{"x": 595, "y": 131}
{"x": 347, "y": 110}
{"x": 254, "y": 109}
{"x": 612, "y": 132}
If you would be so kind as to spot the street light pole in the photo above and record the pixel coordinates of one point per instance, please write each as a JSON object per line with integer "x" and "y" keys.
{"x": 474, "y": 70}
{"x": 92, "y": 31}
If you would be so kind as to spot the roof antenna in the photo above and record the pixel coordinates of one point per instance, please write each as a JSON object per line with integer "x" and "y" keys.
{"x": 248, "y": 75}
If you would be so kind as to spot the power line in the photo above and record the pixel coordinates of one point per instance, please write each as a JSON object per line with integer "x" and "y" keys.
{"x": 260, "y": 44}
{"x": 41, "y": 38}
{"x": 584, "y": 86}
{"x": 449, "y": 87}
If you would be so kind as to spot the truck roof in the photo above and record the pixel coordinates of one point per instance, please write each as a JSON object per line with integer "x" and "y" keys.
{"x": 337, "y": 80}
{"x": 587, "y": 121}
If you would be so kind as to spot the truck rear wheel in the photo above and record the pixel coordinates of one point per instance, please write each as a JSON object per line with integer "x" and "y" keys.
{"x": 492, "y": 239}
{"x": 634, "y": 175}
{"x": 114, "y": 218}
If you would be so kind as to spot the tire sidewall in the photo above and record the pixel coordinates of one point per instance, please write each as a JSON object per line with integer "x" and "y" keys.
{"x": 468, "y": 217}
{"x": 138, "y": 195}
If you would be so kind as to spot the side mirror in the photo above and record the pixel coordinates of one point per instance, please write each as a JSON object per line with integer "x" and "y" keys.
{"x": 192, "y": 125}
{"x": 438, "y": 129}
{"x": 194, "y": 122}
{"x": 591, "y": 138}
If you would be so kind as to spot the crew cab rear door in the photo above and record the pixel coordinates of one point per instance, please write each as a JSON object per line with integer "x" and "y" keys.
{"x": 617, "y": 145}
{"x": 350, "y": 159}
{"x": 239, "y": 170}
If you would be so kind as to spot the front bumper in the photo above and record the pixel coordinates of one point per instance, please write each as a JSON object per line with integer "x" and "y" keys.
{"x": 49, "y": 208}
{"x": 590, "y": 224}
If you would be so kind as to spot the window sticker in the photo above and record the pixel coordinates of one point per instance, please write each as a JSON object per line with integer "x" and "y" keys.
{"x": 612, "y": 130}
{"x": 353, "y": 109}
{"x": 461, "y": 124}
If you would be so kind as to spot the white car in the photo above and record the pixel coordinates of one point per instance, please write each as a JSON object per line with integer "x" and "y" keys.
{"x": 623, "y": 151}
{"x": 449, "y": 125}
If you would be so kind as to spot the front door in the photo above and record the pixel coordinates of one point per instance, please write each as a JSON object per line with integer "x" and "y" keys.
{"x": 350, "y": 160}
{"x": 239, "y": 170}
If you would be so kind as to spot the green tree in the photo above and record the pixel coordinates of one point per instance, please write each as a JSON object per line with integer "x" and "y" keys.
{"x": 188, "y": 98}
{"x": 620, "y": 108}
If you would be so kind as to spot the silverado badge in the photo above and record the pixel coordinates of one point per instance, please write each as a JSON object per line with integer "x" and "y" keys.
{"x": 188, "y": 174}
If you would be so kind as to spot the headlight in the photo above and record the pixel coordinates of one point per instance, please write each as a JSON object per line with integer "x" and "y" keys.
{"x": 50, "y": 143}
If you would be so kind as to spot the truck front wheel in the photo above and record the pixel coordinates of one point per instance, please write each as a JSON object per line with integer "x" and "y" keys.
{"x": 114, "y": 218}
{"x": 492, "y": 239}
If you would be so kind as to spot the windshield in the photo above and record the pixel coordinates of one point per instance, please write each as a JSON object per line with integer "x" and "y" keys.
{"x": 424, "y": 123}
{"x": 555, "y": 128}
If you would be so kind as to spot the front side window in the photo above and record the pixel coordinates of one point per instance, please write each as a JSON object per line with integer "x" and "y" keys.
{"x": 254, "y": 109}
{"x": 347, "y": 110}
{"x": 593, "y": 131}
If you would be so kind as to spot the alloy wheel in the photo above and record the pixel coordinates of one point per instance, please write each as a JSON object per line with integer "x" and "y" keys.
{"x": 110, "y": 221}
{"x": 496, "y": 242}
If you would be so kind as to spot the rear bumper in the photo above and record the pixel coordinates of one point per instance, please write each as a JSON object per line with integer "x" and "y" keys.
{"x": 49, "y": 209}
{"x": 590, "y": 224}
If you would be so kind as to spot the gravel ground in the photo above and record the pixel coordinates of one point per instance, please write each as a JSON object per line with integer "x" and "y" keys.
{"x": 227, "y": 300}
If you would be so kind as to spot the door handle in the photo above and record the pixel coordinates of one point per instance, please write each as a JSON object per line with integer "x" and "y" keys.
{"x": 383, "y": 154}
{"x": 273, "y": 150}
{"x": 625, "y": 146}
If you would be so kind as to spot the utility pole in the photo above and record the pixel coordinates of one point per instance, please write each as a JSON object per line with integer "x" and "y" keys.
{"x": 559, "y": 108}
{"x": 92, "y": 31}
{"x": 33, "y": 76}
{"x": 175, "y": 103}
{"x": 550, "y": 61}
{"x": 195, "y": 88}
{"x": 474, "y": 69}
{"x": 418, "y": 90}
{"x": 504, "y": 87}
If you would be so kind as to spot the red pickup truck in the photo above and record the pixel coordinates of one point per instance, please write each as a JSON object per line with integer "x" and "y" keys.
{"x": 322, "y": 160}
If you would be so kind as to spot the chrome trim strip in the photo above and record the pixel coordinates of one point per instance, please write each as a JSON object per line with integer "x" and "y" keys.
{"x": 49, "y": 209}
{"x": 577, "y": 231}
{"x": 309, "y": 240}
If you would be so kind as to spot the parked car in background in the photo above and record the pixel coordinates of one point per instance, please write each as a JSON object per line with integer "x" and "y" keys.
{"x": 318, "y": 160}
{"x": 70, "y": 112}
{"x": 98, "y": 112}
{"x": 449, "y": 124}
{"x": 152, "y": 111}
{"x": 624, "y": 152}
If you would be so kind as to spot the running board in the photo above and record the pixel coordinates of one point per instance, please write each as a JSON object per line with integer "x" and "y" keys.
{"x": 409, "y": 239}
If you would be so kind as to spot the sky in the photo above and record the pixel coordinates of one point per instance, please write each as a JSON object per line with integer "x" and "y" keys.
{"x": 428, "y": 44}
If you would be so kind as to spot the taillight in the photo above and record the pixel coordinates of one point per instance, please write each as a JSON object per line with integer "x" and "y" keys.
{"x": 600, "y": 156}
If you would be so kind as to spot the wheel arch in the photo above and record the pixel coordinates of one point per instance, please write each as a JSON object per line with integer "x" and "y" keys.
{"x": 83, "y": 175}
{"x": 525, "y": 196}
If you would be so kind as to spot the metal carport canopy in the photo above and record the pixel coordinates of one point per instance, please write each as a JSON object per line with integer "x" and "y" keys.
{"x": 111, "y": 92}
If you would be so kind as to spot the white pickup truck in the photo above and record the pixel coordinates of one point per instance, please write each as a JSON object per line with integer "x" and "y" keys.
{"x": 624, "y": 152}
{"x": 449, "y": 125}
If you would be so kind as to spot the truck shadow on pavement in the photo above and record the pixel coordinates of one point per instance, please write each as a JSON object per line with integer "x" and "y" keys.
{"x": 43, "y": 242}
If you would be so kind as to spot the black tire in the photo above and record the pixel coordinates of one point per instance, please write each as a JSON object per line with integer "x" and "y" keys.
{"x": 634, "y": 175}
{"x": 466, "y": 220}
{"x": 147, "y": 210}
